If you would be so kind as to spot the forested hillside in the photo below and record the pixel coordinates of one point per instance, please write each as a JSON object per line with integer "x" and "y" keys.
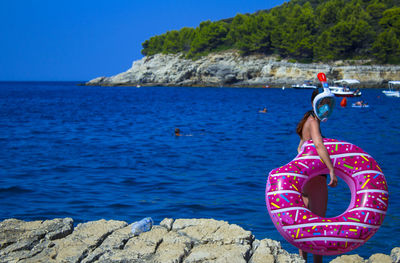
{"x": 305, "y": 31}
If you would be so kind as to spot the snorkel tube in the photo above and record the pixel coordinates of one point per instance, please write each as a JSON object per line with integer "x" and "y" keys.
{"x": 324, "y": 102}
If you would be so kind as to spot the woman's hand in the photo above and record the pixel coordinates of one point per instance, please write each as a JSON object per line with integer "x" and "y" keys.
{"x": 334, "y": 180}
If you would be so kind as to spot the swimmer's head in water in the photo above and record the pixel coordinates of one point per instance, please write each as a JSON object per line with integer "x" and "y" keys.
{"x": 323, "y": 103}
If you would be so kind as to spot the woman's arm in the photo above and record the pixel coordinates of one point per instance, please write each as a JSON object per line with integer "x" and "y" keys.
{"x": 299, "y": 147}
{"x": 322, "y": 152}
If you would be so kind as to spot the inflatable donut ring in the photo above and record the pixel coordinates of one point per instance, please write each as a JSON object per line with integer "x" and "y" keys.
{"x": 328, "y": 236}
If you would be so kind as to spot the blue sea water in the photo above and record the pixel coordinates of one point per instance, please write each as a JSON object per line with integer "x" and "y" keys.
{"x": 110, "y": 152}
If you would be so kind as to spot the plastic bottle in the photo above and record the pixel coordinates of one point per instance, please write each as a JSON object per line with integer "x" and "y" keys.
{"x": 143, "y": 225}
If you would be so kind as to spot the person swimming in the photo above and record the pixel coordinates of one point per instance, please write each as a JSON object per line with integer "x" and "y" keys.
{"x": 178, "y": 132}
{"x": 361, "y": 103}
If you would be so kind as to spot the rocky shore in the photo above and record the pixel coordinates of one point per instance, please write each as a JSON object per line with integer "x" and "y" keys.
{"x": 179, "y": 240}
{"x": 230, "y": 69}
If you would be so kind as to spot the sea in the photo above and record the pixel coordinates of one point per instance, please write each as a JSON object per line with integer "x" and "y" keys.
{"x": 93, "y": 153}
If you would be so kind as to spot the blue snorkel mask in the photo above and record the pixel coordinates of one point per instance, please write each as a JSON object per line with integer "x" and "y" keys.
{"x": 324, "y": 103}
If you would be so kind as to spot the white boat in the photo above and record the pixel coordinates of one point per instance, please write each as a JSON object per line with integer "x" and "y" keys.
{"x": 306, "y": 85}
{"x": 392, "y": 92}
{"x": 341, "y": 88}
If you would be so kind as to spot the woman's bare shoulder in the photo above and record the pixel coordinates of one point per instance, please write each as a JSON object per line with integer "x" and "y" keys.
{"x": 310, "y": 121}
{"x": 310, "y": 124}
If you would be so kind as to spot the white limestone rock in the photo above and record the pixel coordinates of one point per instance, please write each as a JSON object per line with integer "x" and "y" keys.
{"x": 231, "y": 253}
{"x": 228, "y": 68}
{"x": 20, "y": 240}
{"x": 379, "y": 258}
{"x": 395, "y": 255}
{"x": 210, "y": 230}
{"x": 173, "y": 241}
{"x": 268, "y": 250}
{"x": 348, "y": 259}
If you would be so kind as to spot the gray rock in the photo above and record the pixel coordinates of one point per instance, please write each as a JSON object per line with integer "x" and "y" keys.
{"x": 230, "y": 69}
{"x": 78, "y": 245}
{"x": 85, "y": 238}
{"x": 115, "y": 241}
{"x": 268, "y": 250}
{"x": 97, "y": 81}
{"x": 379, "y": 258}
{"x": 262, "y": 253}
{"x": 174, "y": 248}
{"x": 209, "y": 230}
{"x": 231, "y": 253}
{"x": 173, "y": 241}
{"x": 348, "y": 259}
{"x": 20, "y": 240}
{"x": 167, "y": 223}
{"x": 395, "y": 255}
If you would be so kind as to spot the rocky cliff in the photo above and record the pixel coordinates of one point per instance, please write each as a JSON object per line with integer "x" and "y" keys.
{"x": 230, "y": 69}
{"x": 173, "y": 241}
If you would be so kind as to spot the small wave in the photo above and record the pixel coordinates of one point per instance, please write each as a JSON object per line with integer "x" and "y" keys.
{"x": 14, "y": 190}
{"x": 119, "y": 205}
{"x": 193, "y": 207}
{"x": 130, "y": 181}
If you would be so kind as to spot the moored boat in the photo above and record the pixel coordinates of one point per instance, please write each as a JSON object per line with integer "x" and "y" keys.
{"x": 306, "y": 85}
{"x": 392, "y": 92}
{"x": 343, "y": 90}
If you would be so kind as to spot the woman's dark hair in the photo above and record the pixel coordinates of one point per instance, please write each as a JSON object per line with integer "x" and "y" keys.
{"x": 299, "y": 128}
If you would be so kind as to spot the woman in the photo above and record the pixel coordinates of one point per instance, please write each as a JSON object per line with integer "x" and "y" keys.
{"x": 315, "y": 192}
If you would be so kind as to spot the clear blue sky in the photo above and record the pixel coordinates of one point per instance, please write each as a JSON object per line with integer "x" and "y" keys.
{"x": 83, "y": 39}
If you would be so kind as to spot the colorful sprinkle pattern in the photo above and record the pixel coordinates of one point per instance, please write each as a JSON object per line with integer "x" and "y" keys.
{"x": 328, "y": 236}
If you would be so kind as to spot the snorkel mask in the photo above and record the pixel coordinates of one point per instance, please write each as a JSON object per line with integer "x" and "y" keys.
{"x": 324, "y": 102}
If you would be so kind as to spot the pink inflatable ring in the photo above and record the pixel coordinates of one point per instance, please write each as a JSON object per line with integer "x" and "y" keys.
{"x": 328, "y": 236}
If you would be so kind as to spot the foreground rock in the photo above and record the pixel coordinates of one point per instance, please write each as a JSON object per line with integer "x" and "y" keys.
{"x": 231, "y": 69}
{"x": 180, "y": 240}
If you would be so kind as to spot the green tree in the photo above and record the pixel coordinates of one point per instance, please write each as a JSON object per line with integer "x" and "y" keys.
{"x": 251, "y": 34}
{"x": 387, "y": 47}
{"x": 209, "y": 37}
{"x": 171, "y": 43}
{"x": 296, "y": 36}
{"x": 302, "y": 29}
{"x": 354, "y": 10}
{"x": 376, "y": 9}
{"x": 186, "y": 36}
{"x": 391, "y": 19}
{"x": 347, "y": 39}
{"x": 153, "y": 46}
{"x": 350, "y": 37}
{"x": 329, "y": 13}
